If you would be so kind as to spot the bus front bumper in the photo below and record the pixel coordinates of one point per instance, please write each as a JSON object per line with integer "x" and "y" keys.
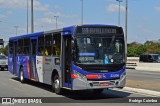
{"x": 79, "y": 84}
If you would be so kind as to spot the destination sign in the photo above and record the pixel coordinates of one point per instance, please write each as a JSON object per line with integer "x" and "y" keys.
{"x": 91, "y": 30}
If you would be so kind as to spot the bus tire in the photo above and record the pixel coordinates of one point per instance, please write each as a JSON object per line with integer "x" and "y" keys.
{"x": 22, "y": 79}
{"x": 98, "y": 91}
{"x": 56, "y": 85}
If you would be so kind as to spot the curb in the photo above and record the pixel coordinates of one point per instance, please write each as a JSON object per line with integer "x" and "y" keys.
{"x": 143, "y": 91}
{"x": 147, "y": 69}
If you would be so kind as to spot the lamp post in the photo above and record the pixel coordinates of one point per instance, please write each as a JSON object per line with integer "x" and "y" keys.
{"x": 56, "y": 21}
{"x": 2, "y": 41}
{"x": 126, "y": 26}
{"x": 82, "y": 13}
{"x": 27, "y": 16}
{"x": 119, "y": 11}
{"x": 16, "y": 29}
{"x": 32, "y": 18}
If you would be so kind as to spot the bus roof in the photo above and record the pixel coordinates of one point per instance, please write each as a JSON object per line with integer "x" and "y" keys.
{"x": 100, "y": 25}
{"x": 27, "y": 35}
{"x": 70, "y": 28}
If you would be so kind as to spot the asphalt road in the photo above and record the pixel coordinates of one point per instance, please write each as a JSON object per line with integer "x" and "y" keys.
{"x": 11, "y": 87}
{"x": 143, "y": 79}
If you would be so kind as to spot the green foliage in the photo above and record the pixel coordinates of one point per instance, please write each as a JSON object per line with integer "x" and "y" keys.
{"x": 135, "y": 49}
{"x": 4, "y": 50}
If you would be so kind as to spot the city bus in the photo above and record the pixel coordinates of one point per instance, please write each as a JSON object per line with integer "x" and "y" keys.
{"x": 79, "y": 57}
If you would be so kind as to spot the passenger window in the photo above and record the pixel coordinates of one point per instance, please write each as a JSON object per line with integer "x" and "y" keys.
{"x": 48, "y": 44}
{"x": 10, "y": 47}
{"x": 26, "y": 46}
{"x": 34, "y": 43}
{"x": 41, "y": 45}
{"x": 56, "y": 44}
{"x": 20, "y": 47}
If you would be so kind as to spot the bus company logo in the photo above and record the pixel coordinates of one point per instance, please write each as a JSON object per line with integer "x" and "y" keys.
{"x": 7, "y": 101}
{"x": 101, "y": 76}
{"x": 12, "y": 101}
{"x": 39, "y": 62}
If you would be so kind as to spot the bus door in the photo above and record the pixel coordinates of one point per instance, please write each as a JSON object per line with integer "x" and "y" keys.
{"x": 33, "y": 52}
{"x": 66, "y": 61}
{"x": 14, "y": 57}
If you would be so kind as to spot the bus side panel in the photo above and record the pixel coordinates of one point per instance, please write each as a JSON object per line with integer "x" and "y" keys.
{"x": 10, "y": 63}
{"x": 26, "y": 67}
{"x": 39, "y": 67}
{"x": 48, "y": 67}
{"x": 24, "y": 61}
{"x": 20, "y": 63}
{"x": 34, "y": 74}
{"x": 17, "y": 65}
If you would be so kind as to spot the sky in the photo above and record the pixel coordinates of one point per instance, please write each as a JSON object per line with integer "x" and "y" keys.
{"x": 143, "y": 16}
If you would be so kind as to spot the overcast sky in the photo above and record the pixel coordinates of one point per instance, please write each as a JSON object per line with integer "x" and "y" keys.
{"x": 143, "y": 17}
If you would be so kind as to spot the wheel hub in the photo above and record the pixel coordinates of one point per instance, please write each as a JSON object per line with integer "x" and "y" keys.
{"x": 56, "y": 84}
{"x": 21, "y": 76}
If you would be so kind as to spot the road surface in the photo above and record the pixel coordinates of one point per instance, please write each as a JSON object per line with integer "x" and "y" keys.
{"x": 11, "y": 87}
{"x": 143, "y": 79}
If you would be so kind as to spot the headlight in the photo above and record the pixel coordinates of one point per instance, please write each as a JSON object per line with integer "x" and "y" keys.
{"x": 80, "y": 76}
{"x": 123, "y": 75}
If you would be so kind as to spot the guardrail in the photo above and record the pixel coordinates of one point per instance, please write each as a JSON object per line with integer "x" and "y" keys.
{"x": 131, "y": 65}
{"x": 132, "y": 62}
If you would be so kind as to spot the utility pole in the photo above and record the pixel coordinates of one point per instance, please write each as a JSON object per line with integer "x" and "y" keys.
{"x": 16, "y": 29}
{"x": 119, "y": 17}
{"x": 1, "y": 40}
{"x": 27, "y": 16}
{"x": 82, "y": 13}
{"x": 32, "y": 18}
{"x": 126, "y": 26}
{"x": 56, "y": 21}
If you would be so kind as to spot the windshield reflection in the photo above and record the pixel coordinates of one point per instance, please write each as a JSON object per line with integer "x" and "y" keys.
{"x": 92, "y": 50}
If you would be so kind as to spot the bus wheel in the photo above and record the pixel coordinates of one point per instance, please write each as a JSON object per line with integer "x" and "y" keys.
{"x": 56, "y": 85}
{"x": 98, "y": 91}
{"x": 21, "y": 75}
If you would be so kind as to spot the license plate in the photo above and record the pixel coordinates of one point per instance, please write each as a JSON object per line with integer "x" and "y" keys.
{"x": 104, "y": 84}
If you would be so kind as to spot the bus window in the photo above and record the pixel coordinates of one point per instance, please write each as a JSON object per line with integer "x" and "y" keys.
{"x": 41, "y": 45}
{"x": 48, "y": 44}
{"x": 56, "y": 44}
{"x": 26, "y": 46}
{"x": 34, "y": 47}
{"x": 20, "y": 47}
{"x": 10, "y": 47}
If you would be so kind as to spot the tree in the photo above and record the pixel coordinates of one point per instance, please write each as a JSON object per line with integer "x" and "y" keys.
{"x": 135, "y": 49}
{"x": 4, "y": 50}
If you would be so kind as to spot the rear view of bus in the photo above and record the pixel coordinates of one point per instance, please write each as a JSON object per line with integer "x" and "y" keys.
{"x": 98, "y": 58}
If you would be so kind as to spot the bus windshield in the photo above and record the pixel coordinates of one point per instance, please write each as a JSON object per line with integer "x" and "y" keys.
{"x": 99, "y": 50}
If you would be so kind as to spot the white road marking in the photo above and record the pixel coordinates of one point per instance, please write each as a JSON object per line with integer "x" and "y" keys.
{"x": 142, "y": 91}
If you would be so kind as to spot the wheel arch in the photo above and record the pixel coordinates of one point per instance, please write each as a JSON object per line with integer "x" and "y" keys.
{"x": 54, "y": 72}
{"x": 21, "y": 66}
